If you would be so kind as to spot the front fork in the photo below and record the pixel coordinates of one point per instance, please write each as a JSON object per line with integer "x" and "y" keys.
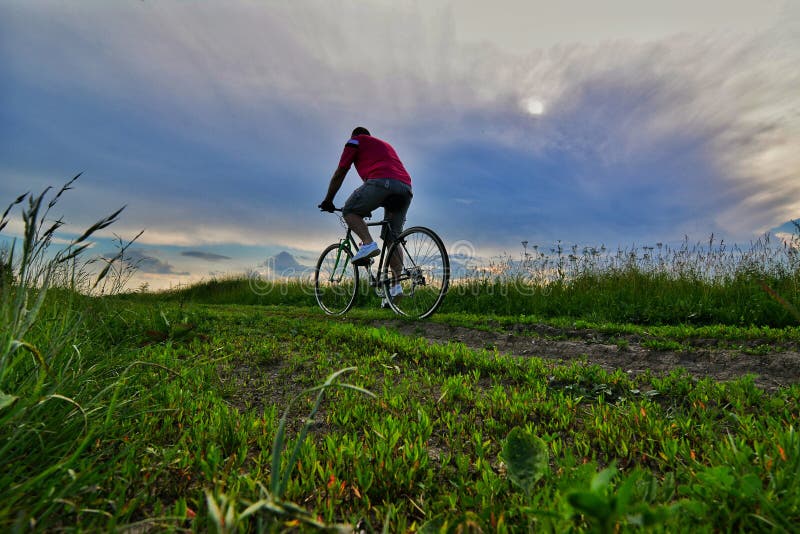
{"x": 344, "y": 244}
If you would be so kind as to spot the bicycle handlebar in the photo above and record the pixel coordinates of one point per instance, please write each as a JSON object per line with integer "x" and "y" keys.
{"x": 335, "y": 209}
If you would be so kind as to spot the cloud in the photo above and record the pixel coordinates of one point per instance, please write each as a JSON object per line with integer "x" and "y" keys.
{"x": 148, "y": 263}
{"x": 208, "y": 256}
{"x": 223, "y": 124}
{"x": 682, "y": 135}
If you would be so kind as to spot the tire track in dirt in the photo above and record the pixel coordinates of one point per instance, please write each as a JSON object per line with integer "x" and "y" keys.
{"x": 778, "y": 368}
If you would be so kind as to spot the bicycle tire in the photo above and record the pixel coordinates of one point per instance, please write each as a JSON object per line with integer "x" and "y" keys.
{"x": 335, "y": 280}
{"x": 426, "y": 273}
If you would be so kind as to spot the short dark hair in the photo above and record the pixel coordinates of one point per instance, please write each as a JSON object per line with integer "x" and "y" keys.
{"x": 360, "y": 130}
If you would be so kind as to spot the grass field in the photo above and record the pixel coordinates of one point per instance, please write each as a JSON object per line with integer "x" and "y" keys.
{"x": 167, "y": 418}
{"x": 221, "y": 408}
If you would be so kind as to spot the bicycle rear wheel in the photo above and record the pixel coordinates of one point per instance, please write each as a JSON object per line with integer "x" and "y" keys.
{"x": 425, "y": 276}
{"x": 335, "y": 280}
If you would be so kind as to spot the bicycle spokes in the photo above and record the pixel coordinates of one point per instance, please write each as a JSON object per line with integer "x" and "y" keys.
{"x": 425, "y": 277}
{"x": 335, "y": 280}
{"x": 417, "y": 291}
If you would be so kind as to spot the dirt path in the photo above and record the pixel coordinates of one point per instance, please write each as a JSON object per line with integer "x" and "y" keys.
{"x": 780, "y": 367}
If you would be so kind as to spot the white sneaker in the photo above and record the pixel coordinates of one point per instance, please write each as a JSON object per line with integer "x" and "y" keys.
{"x": 365, "y": 252}
{"x": 395, "y": 292}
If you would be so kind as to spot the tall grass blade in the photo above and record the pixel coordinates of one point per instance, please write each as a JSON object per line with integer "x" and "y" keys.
{"x": 64, "y": 188}
{"x": 278, "y": 480}
{"x": 123, "y": 247}
{"x": 16, "y": 344}
{"x": 99, "y": 225}
{"x": 788, "y": 306}
{"x": 309, "y": 421}
{"x": 56, "y": 396}
{"x": 215, "y": 512}
{"x": 3, "y": 218}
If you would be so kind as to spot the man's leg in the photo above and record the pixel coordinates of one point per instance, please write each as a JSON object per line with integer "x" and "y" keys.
{"x": 356, "y": 223}
{"x": 360, "y": 204}
{"x": 396, "y": 262}
{"x": 363, "y": 200}
{"x": 395, "y": 213}
{"x": 396, "y": 220}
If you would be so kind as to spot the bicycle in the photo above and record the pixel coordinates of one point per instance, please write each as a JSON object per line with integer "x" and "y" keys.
{"x": 424, "y": 278}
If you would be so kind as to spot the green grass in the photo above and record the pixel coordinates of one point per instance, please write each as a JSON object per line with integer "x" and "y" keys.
{"x": 633, "y": 295}
{"x": 192, "y": 411}
{"x": 201, "y": 409}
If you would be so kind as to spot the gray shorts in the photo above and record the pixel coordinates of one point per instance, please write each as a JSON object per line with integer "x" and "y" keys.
{"x": 392, "y": 195}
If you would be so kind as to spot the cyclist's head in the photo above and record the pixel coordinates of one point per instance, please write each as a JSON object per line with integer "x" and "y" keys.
{"x": 360, "y": 131}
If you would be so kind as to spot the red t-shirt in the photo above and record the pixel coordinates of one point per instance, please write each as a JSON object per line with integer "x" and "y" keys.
{"x": 373, "y": 158}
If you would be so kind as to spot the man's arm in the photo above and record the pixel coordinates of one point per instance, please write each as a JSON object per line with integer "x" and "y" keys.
{"x": 336, "y": 182}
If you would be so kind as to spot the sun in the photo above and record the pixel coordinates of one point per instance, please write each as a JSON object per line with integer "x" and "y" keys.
{"x": 533, "y": 106}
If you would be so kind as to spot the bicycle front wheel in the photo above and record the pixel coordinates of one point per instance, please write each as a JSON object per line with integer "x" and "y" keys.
{"x": 425, "y": 275}
{"x": 335, "y": 280}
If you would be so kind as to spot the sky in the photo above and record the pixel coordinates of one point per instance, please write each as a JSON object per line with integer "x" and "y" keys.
{"x": 218, "y": 124}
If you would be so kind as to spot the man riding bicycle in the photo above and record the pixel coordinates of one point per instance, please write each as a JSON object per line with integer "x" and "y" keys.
{"x": 386, "y": 184}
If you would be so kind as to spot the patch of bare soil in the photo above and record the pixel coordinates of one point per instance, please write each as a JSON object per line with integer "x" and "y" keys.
{"x": 778, "y": 368}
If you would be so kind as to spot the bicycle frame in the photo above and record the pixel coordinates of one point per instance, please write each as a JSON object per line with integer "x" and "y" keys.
{"x": 426, "y": 267}
{"x": 350, "y": 243}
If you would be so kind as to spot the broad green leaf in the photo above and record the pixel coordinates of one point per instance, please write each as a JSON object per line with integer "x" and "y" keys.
{"x": 602, "y": 479}
{"x": 750, "y": 486}
{"x": 624, "y": 494}
{"x": 7, "y": 400}
{"x": 526, "y": 458}
{"x": 590, "y": 504}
